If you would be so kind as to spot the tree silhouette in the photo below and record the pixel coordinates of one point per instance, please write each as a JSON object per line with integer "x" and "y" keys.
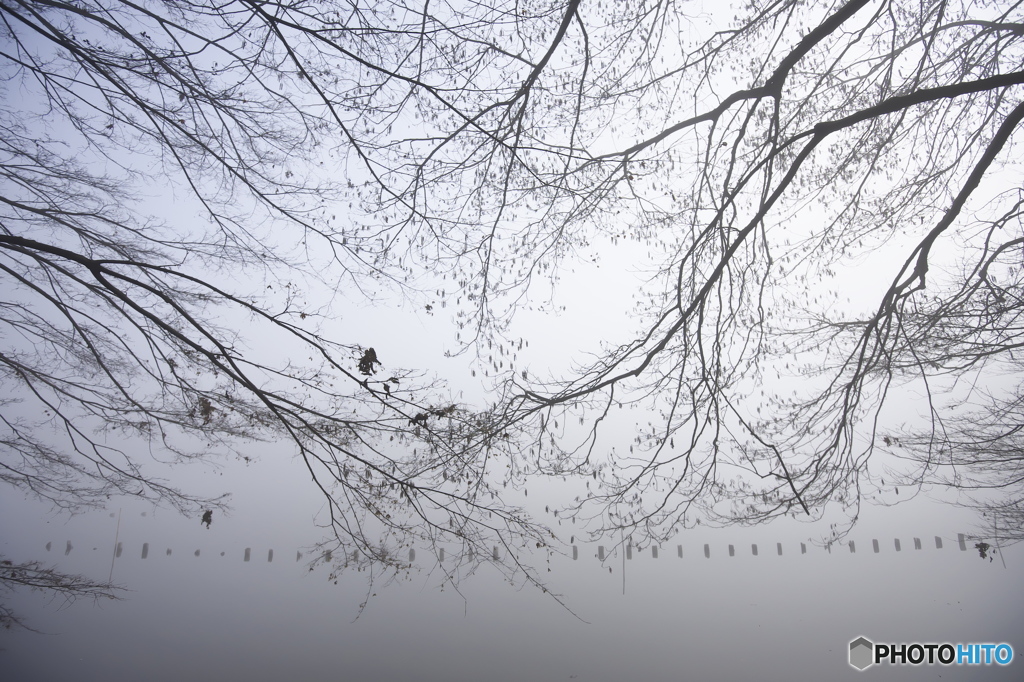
{"x": 169, "y": 247}
{"x": 859, "y": 134}
{"x": 32, "y": 575}
{"x": 767, "y": 162}
{"x": 464, "y": 155}
{"x": 976, "y": 451}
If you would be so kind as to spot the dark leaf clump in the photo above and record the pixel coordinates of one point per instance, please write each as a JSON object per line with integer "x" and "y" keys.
{"x": 367, "y": 362}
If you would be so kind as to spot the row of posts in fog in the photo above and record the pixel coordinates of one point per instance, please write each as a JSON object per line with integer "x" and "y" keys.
{"x": 602, "y": 553}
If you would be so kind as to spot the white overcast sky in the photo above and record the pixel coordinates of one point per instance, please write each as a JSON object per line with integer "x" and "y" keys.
{"x": 767, "y": 617}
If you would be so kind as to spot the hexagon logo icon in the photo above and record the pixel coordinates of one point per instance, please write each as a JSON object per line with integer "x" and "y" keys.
{"x": 861, "y": 653}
